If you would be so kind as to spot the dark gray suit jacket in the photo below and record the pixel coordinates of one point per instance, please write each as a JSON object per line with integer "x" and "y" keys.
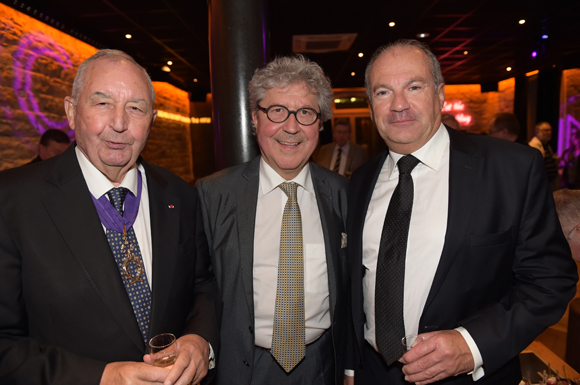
{"x": 228, "y": 200}
{"x": 64, "y": 312}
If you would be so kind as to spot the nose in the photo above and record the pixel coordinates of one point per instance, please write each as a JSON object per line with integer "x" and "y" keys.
{"x": 291, "y": 125}
{"x": 118, "y": 121}
{"x": 400, "y": 102}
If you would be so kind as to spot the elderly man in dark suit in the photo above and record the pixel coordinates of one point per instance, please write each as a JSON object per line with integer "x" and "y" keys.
{"x": 99, "y": 250}
{"x": 275, "y": 228}
{"x": 452, "y": 237}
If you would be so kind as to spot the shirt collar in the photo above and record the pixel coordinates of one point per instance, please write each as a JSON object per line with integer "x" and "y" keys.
{"x": 270, "y": 179}
{"x": 344, "y": 148}
{"x": 98, "y": 183}
{"x": 430, "y": 154}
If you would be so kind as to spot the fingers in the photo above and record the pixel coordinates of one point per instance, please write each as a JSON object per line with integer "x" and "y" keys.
{"x": 440, "y": 355}
{"x": 348, "y": 380}
{"x": 192, "y": 361}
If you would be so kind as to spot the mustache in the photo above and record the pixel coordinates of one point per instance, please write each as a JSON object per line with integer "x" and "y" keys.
{"x": 403, "y": 115}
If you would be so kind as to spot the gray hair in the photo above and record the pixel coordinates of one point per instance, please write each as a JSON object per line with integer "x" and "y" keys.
{"x": 109, "y": 54}
{"x": 286, "y": 71}
{"x": 433, "y": 62}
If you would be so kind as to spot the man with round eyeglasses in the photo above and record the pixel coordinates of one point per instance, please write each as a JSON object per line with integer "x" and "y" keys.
{"x": 275, "y": 229}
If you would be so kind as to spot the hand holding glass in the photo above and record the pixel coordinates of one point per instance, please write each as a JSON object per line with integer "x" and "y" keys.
{"x": 163, "y": 349}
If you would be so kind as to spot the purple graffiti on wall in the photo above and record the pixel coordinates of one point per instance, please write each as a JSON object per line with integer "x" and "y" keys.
{"x": 31, "y": 47}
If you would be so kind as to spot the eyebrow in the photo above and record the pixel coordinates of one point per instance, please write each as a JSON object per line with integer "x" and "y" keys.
{"x": 104, "y": 95}
{"x": 406, "y": 84}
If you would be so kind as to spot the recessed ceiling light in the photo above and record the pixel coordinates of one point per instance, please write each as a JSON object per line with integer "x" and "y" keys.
{"x": 544, "y": 36}
{"x": 169, "y": 63}
{"x": 195, "y": 80}
{"x": 465, "y": 52}
{"x": 534, "y": 54}
{"x": 128, "y": 36}
{"x": 165, "y": 69}
{"x": 522, "y": 21}
{"x": 508, "y": 69}
{"x": 352, "y": 74}
{"x": 422, "y": 35}
{"x": 353, "y": 99}
{"x": 360, "y": 54}
{"x": 392, "y": 24}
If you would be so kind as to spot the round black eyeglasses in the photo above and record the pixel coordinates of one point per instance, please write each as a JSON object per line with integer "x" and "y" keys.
{"x": 276, "y": 113}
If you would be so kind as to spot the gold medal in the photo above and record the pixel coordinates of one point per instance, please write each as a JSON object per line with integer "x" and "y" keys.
{"x": 128, "y": 249}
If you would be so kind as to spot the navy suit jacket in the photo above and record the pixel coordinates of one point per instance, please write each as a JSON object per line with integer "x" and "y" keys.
{"x": 64, "y": 312}
{"x": 505, "y": 272}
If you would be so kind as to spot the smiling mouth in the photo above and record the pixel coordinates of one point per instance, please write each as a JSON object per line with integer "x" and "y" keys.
{"x": 115, "y": 144}
{"x": 288, "y": 143}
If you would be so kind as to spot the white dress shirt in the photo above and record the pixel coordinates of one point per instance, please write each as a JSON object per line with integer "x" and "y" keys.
{"x": 426, "y": 234}
{"x": 269, "y": 212}
{"x": 343, "y": 157}
{"x": 99, "y": 184}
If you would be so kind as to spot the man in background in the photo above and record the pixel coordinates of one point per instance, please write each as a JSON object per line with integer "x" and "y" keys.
{"x": 99, "y": 250}
{"x": 541, "y": 141}
{"x": 451, "y": 237}
{"x": 505, "y": 126}
{"x": 52, "y": 143}
{"x": 342, "y": 156}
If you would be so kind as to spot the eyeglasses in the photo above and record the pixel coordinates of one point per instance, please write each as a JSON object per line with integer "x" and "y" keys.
{"x": 278, "y": 114}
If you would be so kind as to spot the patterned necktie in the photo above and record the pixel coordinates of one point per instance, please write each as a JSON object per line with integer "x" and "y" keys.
{"x": 390, "y": 325}
{"x": 128, "y": 257}
{"x": 288, "y": 346}
{"x": 337, "y": 163}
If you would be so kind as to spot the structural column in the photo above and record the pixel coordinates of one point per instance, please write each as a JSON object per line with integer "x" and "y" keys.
{"x": 238, "y": 37}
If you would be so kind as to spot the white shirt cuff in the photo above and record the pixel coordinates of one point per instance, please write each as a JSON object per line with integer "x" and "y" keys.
{"x": 211, "y": 358}
{"x": 349, "y": 372}
{"x": 478, "y": 371}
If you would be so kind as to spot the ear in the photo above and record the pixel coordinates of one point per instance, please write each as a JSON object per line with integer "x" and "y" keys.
{"x": 255, "y": 118}
{"x": 441, "y": 94}
{"x": 154, "y": 116}
{"x": 69, "y": 108}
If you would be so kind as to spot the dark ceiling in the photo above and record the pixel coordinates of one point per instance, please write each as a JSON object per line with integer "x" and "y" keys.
{"x": 487, "y": 30}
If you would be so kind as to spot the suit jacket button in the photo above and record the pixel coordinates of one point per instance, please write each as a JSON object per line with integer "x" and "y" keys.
{"x": 251, "y": 329}
{"x": 246, "y": 363}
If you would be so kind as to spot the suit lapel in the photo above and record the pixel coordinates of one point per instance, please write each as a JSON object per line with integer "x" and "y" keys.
{"x": 247, "y": 201}
{"x": 74, "y": 214}
{"x": 465, "y": 169}
{"x": 164, "y": 212}
{"x": 328, "y": 222}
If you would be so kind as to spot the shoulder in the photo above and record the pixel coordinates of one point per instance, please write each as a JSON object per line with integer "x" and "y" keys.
{"x": 496, "y": 147}
{"x": 231, "y": 176}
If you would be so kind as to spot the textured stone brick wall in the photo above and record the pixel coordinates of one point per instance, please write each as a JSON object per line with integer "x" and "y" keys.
{"x": 169, "y": 143}
{"x": 37, "y": 67}
{"x": 481, "y": 106}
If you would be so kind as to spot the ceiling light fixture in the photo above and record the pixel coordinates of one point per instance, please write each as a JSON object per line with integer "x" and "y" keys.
{"x": 508, "y": 69}
{"x": 195, "y": 80}
{"x": 465, "y": 52}
{"x": 360, "y": 54}
{"x": 423, "y": 35}
{"x": 544, "y": 36}
{"x": 522, "y": 21}
{"x": 169, "y": 63}
{"x": 128, "y": 36}
{"x": 165, "y": 69}
{"x": 392, "y": 24}
{"x": 352, "y": 74}
{"x": 534, "y": 54}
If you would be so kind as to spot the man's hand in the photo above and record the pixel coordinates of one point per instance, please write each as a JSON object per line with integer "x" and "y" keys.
{"x": 348, "y": 380}
{"x": 121, "y": 373}
{"x": 438, "y": 355}
{"x": 192, "y": 361}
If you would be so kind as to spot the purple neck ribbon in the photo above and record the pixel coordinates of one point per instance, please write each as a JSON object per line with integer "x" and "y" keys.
{"x": 111, "y": 217}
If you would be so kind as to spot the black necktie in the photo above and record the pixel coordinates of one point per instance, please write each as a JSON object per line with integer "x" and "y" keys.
{"x": 390, "y": 325}
{"x": 336, "y": 167}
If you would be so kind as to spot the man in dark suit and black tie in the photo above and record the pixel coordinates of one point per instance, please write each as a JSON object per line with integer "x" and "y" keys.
{"x": 275, "y": 228}
{"x": 99, "y": 250}
{"x": 479, "y": 266}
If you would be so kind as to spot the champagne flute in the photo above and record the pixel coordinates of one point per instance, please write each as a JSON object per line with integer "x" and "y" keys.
{"x": 163, "y": 349}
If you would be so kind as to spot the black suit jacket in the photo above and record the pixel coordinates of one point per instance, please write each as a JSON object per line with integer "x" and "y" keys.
{"x": 64, "y": 312}
{"x": 505, "y": 272}
{"x": 229, "y": 199}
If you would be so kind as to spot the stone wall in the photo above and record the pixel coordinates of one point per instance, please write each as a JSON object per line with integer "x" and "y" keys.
{"x": 479, "y": 106}
{"x": 169, "y": 143}
{"x": 37, "y": 67}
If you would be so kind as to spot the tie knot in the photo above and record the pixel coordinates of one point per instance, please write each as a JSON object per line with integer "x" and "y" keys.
{"x": 117, "y": 197}
{"x": 407, "y": 163}
{"x": 290, "y": 189}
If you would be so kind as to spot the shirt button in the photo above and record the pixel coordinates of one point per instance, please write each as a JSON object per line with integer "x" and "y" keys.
{"x": 246, "y": 363}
